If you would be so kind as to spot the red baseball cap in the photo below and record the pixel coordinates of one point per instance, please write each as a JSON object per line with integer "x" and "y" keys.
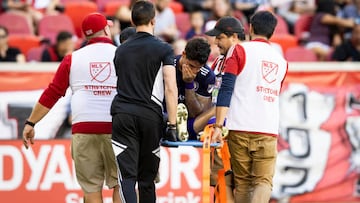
{"x": 94, "y": 22}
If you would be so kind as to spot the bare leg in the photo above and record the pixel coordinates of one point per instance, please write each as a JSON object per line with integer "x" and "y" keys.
{"x": 116, "y": 195}
{"x": 93, "y": 197}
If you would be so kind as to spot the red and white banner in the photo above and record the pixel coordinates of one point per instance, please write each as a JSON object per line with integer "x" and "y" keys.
{"x": 319, "y": 145}
{"x": 45, "y": 173}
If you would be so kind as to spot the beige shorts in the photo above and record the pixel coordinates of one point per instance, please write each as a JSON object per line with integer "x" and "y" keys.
{"x": 94, "y": 161}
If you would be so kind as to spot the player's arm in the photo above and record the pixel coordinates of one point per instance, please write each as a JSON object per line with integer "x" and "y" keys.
{"x": 196, "y": 103}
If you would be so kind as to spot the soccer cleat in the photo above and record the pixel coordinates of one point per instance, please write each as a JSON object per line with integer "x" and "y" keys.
{"x": 181, "y": 122}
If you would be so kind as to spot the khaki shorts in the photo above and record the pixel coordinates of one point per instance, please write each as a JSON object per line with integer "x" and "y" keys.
{"x": 94, "y": 161}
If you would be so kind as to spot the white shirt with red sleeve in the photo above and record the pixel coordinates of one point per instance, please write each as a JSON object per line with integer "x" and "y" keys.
{"x": 90, "y": 73}
{"x": 260, "y": 71}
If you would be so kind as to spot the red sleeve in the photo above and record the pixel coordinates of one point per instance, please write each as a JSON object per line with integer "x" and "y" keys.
{"x": 287, "y": 68}
{"x": 59, "y": 85}
{"x": 213, "y": 65}
{"x": 235, "y": 60}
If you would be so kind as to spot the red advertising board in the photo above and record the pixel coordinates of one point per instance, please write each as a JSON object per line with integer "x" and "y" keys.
{"x": 45, "y": 173}
{"x": 318, "y": 149}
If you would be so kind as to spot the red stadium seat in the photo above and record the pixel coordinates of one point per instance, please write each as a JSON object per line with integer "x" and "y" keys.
{"x": 16, "y": 24}
{"x": 177, "y": 7}
{"x": 302, "y": 27}
{"x": 285, "y": 41}
{"x": 183, "y": 22}
{"x": 49, "y": 26}
{"x": 24, "y": 42}
{"x": 102, "y": 4}
{"x": 112, "y": 7}
{"x": 77, "y": 10}
{"x": 300, "y": 54}
{"x": 66, "y": 1}
{"x": 282, "y": 26}
{"x": 34, "y": 54}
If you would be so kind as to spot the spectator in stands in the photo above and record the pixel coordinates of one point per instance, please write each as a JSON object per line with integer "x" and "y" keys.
{"x": 8, "y": 54}
{"x": 351, "y": 11}
{"x": 196, "y": 5}
{"x": 324, "y": 29}
{"x": 350, "y": 49}
{"x": 221, "y": 8}
{"x": 126, "y": 33}
{"x": 197, "y": 22}
{"x": 25, "y": 9}
{"x": 248, "y": 7}
{"x": 292, "y": 10}
{"x": 124, "y": 15}
{"x": 48, "y": 7}
{"x": 179, "y": 46}
{"x": 165, "y": 26}
{"x": 64, "y": 46}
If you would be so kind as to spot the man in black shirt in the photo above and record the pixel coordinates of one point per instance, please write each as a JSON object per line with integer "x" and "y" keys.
{"x": 64, "y": 46}
{"x": 8, "y": 54}
{"x": 350, "y": 49}
{"x": 145, "y": 70}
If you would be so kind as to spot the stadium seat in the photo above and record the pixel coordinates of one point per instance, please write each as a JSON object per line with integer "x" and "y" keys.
{"x": 34, "y": 54}
{"x": 177, "y": 7}
{"x": 102, "y": 3}
{"x": 15, "y": 23}
{"x": 183, "y": 22}
{"x": 302, "y": 27}
{"x": 77, "y": 10}
{"x": 50, "y": 25}
{"x": 282, "y": 26}
{"x": 66, "y": 1}
{"x": 24, "y": 42}
{"x": 285, "y": 41}
{"x": 300, "y": 54}
{"x": 112, "y": 7}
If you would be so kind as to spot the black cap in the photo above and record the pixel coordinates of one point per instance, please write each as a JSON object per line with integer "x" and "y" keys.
{"x": 226, "y": 24}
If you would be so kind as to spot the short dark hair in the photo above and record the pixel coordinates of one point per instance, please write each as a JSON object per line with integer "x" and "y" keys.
{"x": 126, "y": 33}
{"x": 5, "y": 30}
{"x": 197, "y": 49}
{"x": 263, "y": 23}
{"x": 142, "y": 12}
{"x": 63, "y": 35}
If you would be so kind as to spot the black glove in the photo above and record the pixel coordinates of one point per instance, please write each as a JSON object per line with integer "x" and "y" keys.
{"x": 171, "y": 133}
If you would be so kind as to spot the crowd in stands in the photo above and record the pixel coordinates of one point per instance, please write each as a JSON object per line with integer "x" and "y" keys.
{"x": 307, "y": 30}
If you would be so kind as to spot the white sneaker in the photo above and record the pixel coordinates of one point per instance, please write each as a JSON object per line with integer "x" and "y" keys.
{"x": 181, "y": 122}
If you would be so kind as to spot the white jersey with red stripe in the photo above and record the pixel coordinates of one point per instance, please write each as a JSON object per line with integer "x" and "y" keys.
{"x": 254, "y": 105}
{"x": 93, "y": 82}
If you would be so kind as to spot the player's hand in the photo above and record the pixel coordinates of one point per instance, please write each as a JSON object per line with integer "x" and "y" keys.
{"x": 171, "y": 133}
{"x": 28, "y": 136}
{"x": 188, "y": 75}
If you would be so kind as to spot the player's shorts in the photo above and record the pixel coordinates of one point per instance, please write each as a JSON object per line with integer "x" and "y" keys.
{"x": 94, "y": 161}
